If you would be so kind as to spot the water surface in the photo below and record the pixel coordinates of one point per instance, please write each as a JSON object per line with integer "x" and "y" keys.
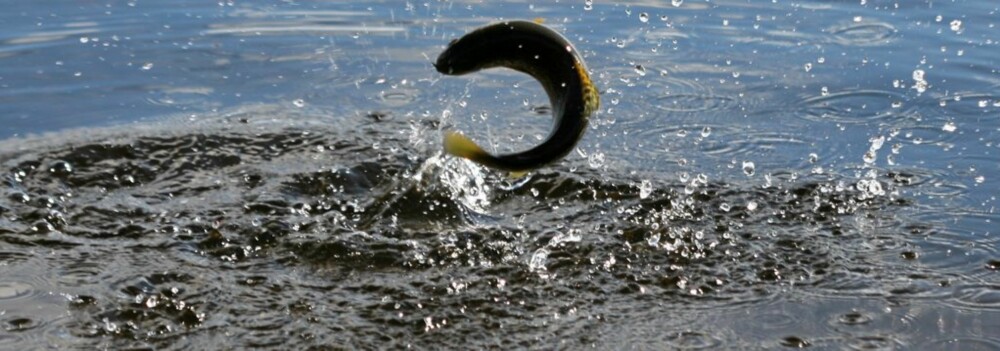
{"x": 268, "y": 175}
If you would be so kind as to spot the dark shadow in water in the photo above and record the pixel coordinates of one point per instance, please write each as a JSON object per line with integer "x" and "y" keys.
{"x": 353, "y": 236}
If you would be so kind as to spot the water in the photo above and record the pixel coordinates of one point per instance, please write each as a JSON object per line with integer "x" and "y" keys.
{"x": 268, "y": 175}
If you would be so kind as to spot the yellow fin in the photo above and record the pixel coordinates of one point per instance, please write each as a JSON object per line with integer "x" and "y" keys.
{"x": 460, "y": 145}
{"x": 517, "y": 175}
{"x": 539, "y": 20}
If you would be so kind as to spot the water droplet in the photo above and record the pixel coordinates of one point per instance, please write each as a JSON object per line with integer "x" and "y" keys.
{"x": 896, "y": 147}
{"x": 588, "y": 5}
{"x": 641, "y": 71}
{"x": 870, "y": 187}
{"x": 956, "y": 26}
{"x": 808, "y": 66}
{"x": 877, "y": 143}
{"x": 920, "y": 84}
{"x": 869, "y": 157}
{"x": 949, "y": 127}
{"x": 299, "y": 102}
{"x": 725, "y": 207}
{"x": 645, "y": 189}
{"x": 676, "y": 3}
{"x": 596, "y": 160}
{"x": 643, "y": 17}
{"x": 752, "y": 205}
{"x": 705, "y": 132}
{"x": 749, "y": 168}
{"x": 813, "y": 157}
{"x": 147, "y": 66}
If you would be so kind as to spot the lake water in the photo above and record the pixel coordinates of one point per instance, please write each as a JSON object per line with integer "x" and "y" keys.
{"x": 259, "y": 174}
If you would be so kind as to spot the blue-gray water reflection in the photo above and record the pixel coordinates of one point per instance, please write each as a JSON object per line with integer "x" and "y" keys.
{"x": 261, "y": 174}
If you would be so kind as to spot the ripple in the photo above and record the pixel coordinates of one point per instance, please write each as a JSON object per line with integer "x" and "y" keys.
{"x": 398, "y": 97}
{"x": 777, "y": 320}
{"x": 854, "y": 107}
{"x": 930, "y": 135}
{"x": 13, "y": 290}
{"x": 852, "y": 319}
{"x": 874, "y": 342}
{"x": 692, "y": 340}
{"x": 297, "y": 27}
{"x": 693, "y": 103}
{"x": 970, "y": 104}
{"x": 982, "y": 297}
{"x": 862, "y": 33}
{"x": 687, "y": 96}
{"x": 179, "y": 96}
{"x": 751, "y": 143}
{"x": 963, "y": 343}
{"x": 20, "y": 324}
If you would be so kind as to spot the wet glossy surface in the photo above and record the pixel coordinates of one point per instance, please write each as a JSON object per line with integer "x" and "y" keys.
{"x": 258, "y": 175}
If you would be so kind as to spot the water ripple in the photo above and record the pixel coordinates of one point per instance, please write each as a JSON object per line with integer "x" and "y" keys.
{"x": 862, "y": 33}
{"x": 966, "y": 343}
{"x": 855, "y": 107}
{"x": 976, "y": 297}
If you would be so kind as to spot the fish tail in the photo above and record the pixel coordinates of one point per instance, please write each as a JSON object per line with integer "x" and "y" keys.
{"x": 461, "y": 146}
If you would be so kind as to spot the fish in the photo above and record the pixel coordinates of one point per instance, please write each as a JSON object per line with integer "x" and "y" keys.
{"x": 545, "y": 55}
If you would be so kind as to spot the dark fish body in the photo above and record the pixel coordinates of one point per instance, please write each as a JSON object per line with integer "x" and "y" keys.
{"x": 534, "y": 49}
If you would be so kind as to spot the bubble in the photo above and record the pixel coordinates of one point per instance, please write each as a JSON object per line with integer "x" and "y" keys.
{"x": 299, "y": 102}
{"x": 147, "y": 66}
{"x": 643, "y": 17}
{"x": 808, "y": 66}
{"x": 676, "y": 3}
{"x": 588, "y": 5}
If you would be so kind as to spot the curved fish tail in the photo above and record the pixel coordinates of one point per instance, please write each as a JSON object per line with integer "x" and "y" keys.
{"x": 460, "y": 145}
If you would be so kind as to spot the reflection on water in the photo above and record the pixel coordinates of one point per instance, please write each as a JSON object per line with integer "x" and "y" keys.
{"x": 761, "y": 175}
